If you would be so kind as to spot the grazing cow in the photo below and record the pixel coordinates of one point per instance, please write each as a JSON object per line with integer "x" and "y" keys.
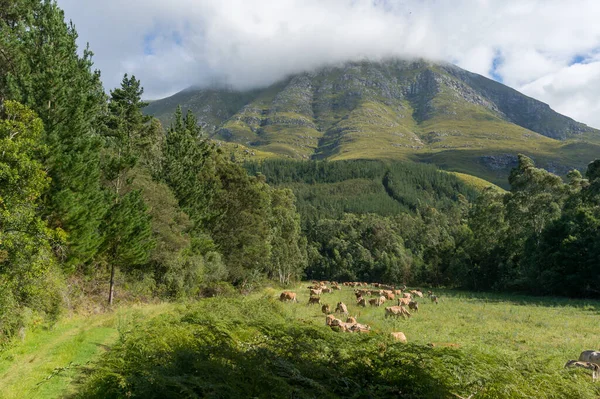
{"x": 388, "y": 294}
{"x": 351, "y": 320}
{"x": 373, "y": 301}
{"x": 357, "y": 327}
{"x": 329, "y": 319}
{"x": 341, "y": 307}
{"x": 396, "y": 311}
{"x": 590, "y": 356}
{"x": 337, "y": 324}
{"x": 586, "y": 365}
{"x": 314, "y": 300}
{"x": 325, "y": 309}
{"x": 362, "y": 302}
{"x": 399, "y": 336}
{"x": 434, "y": 298}
{"x": 412, "y": 305}
{"x": 404, "y": 301}
{"x": 288, "y": 296}
{"x": 315, "y": 292}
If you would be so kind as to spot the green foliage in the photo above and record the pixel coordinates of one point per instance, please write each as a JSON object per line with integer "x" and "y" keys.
{"x": 257, "y": 347}
{"x": 41, "y": 68}
{"x": 26, "y": 257}
{"x": 330, "y": 189}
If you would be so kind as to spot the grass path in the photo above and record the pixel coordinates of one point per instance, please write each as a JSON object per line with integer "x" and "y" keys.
{"x": 47, "y": 363}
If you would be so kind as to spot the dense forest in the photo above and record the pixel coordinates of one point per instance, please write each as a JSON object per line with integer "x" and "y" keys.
{"x": 99, "y": 202}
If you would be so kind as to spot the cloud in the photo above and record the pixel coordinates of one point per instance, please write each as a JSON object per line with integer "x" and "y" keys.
{"x": 545, "y": 49}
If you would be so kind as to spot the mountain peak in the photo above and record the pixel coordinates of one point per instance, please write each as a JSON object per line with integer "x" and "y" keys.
{"x": 395, "y": 109}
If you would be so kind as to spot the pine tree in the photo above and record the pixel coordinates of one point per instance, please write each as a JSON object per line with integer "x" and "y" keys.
{"x": 42, "y": 69}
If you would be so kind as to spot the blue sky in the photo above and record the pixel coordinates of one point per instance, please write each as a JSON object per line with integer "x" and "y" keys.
{"x": 547, "y": 49}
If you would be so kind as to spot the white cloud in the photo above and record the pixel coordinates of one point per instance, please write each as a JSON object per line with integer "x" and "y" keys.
{"x": 173, "y": 44}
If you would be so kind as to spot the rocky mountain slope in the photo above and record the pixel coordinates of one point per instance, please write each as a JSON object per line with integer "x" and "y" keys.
{"x": 396, "y": 109}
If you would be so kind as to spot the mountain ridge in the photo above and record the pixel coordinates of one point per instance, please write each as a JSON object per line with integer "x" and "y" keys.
{"x": 396, "y": 109}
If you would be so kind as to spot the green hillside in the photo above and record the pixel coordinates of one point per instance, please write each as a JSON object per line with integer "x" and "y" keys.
{"x": 395, "y": 110}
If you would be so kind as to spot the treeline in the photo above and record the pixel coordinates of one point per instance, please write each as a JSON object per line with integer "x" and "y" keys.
{"x": 95, "y": 196}
{"x": 415, "y": 227}
{"x": 331, "y": 189}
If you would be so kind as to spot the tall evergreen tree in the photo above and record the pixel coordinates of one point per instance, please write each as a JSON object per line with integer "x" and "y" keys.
{"x": 42, "y": 69}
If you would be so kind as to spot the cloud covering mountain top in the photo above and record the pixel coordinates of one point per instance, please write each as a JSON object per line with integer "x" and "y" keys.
{"x": 549, "y": 50}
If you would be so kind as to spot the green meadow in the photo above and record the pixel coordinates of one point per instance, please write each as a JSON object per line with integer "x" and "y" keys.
{"x": 469, "y": 345}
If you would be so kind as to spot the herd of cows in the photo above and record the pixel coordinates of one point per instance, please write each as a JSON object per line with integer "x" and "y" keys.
{"x": 376, "y": 294}
{"x": 381, "y": 293}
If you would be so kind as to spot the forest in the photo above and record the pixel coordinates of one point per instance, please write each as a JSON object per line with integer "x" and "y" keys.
{"x": 100, "y": 203}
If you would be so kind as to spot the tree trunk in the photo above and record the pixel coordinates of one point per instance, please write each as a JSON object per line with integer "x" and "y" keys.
{"x": 111, "y": 292}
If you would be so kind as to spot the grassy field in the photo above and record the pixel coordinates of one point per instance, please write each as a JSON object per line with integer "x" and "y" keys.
{"x": 49, "y": 362}
{"x": 484, "y": 345}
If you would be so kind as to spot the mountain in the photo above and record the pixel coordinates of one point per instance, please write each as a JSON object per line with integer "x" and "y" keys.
{"x": 396, "y": 109}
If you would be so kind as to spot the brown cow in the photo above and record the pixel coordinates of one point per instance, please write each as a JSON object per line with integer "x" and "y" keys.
{"x": 314, "y": 300}
{"x": 357, "y": 327}
{"x": 404, "y": 301}
{"x": 412, "y": 305}
{"x": 399, "y": 336}
{"x": 396, "y": 311}
{"x": 288, "y": 296}
{"x": 341, "y": 307}
{"x": 329, "y": 319}
{"x": 362, "y": 302}
{"x": 398, "y": 292}
{"x": 325, "y": 309}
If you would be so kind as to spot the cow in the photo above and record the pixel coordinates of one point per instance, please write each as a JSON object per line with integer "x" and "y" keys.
{"x": 417, "y": 293}
{"x": 338, "y": 324}
{"x": 326, "y": 290}
{"x": 357, "y": 327}
{"x": 399, "y": 336}
{"x": 396, "y": 311}
{"x": 397, "y": 292}
{"x": 373, "y": 301}
{"x": 362, "y": 302}
{"x": 288, "y": 296}
{"x": 404, "y": 301}
{"x": 590, "y": 356}
{"x": 336, "y": 287}
{"x": 325, "y": 309}
{"x": 314, "y": 300}
{"x": 388, "y": 294}
{"x": 314, "y": 292}
{"x": 329, "y": 319}
{"x": 412, "y": 305}
{"x": 407, "y": 295}
{"x": 586, "y": 365}
{"x": 341, "y": 307}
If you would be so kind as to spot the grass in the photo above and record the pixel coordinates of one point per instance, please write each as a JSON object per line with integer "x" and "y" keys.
{"x": 484, "y": 345}
{"x": 48, "y": 363}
